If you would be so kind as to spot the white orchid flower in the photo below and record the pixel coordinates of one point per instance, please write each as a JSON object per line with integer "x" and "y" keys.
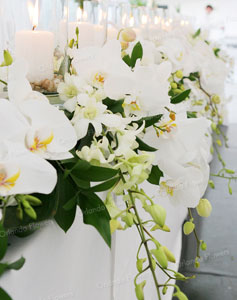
{"x": 22, "y": 172}
{"x": 127, "y": 140}
{"x": 178, "y": 51}
{"x": 95, "y": 113}
{"x": 96, "y": 65}
{"x": 98, "y": 153}
{"x": 3, "y": 77}
{"x": 183, "y": 185}
{"x": 19, "y": 88}
{"x": 70, "y": 87}
{"x": 180, "y": 140}
{"x": 141, "y": 96}
{"x": 41, "y": 127}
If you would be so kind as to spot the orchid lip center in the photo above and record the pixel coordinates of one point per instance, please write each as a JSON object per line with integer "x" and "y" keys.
{"x": 90, "y": 112}
{"x": 100, "y": 78}
{"x": 8, "y": 182}
{"x": 41, "y": 144}
{"x": 169, "y": 190}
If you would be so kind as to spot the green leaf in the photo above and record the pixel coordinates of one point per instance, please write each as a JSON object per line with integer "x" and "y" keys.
{"x": 105, "y": 185}
{"x": 87, "y": 140}
{"x": 82, "y": 184}
{"x": 116, "y": 106}
{"x": 137, "y": 53}
{"x": 65, "y": 190}
{"x": 144, "y": 147}
{"x": 71, "y": 203}
{"x": 149, "y": 121}
{"x": 95, "y": 213}
{"x": 197, "y": 33}
{"x": 155, "y": 175}
{"x": 4, "y": 295}
{"x": 216, "y": 51}
{"x": 127, "y": 60}
{"x": 83, "y": 170}
{"x": 181, "y": 97}
{"x": 191, "y": 114}
{"x": 17, "y": 265}
{"x": 3, "y": 242}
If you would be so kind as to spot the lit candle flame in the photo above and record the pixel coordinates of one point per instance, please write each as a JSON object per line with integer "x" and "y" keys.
{"x": 84, "y": 16}
{"x": 131, "y": 21}
{"x": 157, "y": 20}
{"x": 144, "y": 19}
{"x": 79, "y": 14}
{"x": 124, "y": 18}
{"x": 34, "y": 13}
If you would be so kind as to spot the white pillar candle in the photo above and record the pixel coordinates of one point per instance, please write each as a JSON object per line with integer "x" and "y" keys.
{"x": 37, "y": 48}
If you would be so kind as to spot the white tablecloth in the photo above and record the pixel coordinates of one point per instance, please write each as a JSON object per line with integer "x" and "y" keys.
{"x": 79, "y": 266}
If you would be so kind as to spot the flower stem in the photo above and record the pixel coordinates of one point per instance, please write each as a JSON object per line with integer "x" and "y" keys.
{"x": 195, "y": 234}
{"x": 144, "y": 241}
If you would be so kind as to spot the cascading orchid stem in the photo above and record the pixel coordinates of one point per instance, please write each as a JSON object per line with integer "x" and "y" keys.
{"x": 3, "y": 82}
{"x": 144, "y": 241}
{"x": 195, "y": 234}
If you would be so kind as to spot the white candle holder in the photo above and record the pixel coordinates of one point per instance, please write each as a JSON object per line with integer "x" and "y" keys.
{"x": 32, "y": 33}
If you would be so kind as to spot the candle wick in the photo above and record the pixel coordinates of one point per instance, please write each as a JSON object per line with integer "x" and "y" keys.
{"x": 34, "y": 27}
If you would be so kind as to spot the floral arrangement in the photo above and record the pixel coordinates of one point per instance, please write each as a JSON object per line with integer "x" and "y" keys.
{"x": 133, "y": 112}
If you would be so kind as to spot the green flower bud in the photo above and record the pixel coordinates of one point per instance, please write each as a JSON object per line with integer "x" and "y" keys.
{"x": 170, "y": 79}
{"x": 77, "y": 31}
{"x": 7, "y": 58}
{"x": 188, "y": 227}
{"x": 219, "y": 143}
{"x": 220, "y": 122}
{"x": 179, "y": 276}
{"x": 213, "y": 126}
{"x": 158, "y": 213}
{"x": 128, "y": 219}
{"x": 182, "y": 88}
{"x": 169, "y": 254}
{"x": 216, "y": 99}
{"x": 230, "y": 190}
{"x": 164, "y": 290}
{"x": 164, "y": 228}
{"x": 179, "y": 74}
{"x": 139, "y": 290}
{"x": 207, "y": 107}
{"x": 196, "y": 264}
{"x": 30, "y": 212}
{"x": 25, "y": 203}
{"x": 180, "y": 295}
{"x": 19, "y": 213}
{"x": 114, "y": 225}
{"x": 160, "y": 257}
{"x": 140, "y": 264}
{"x": 124, "y": 45}
{"x": 212, "y": 150}
{"x": 204, "y": 208}
{"x": 203, "y": 246}
{"x": 213, "y": 113}
{"x": 229, "y": 171}
{"x": 174, "y": 85}
{"x": 211, "y": 184}
{"x": 33, "y": 200}
{"x": 71, "y": 43}
{"x": 128, "y": 35}
{"x": 177, "y": 91}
